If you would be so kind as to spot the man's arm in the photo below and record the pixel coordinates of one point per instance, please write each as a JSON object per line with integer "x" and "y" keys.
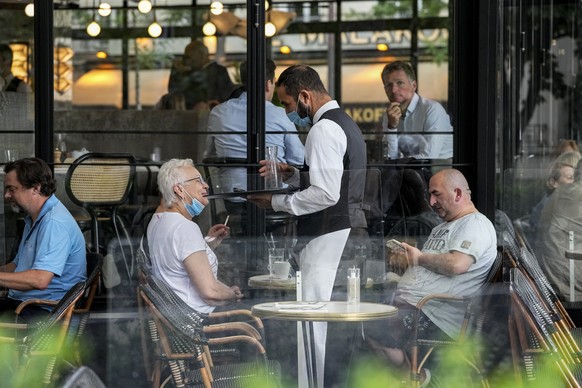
{"x": 449, "y": 264}
{"x": 9, "y": 267}
{"x": 391, "y": 139}
{"x": 277, "y": 121}
{"x": 32, "y": 279}
{"x": 294, "y": 149}
{"x": 437, "y": 120}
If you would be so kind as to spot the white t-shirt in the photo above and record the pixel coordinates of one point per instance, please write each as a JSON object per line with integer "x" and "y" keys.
{"x": 473, "y": 235}
{"x": 171, "y": 239}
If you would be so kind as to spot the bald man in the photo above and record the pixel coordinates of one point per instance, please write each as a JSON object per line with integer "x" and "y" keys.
{"x": 455, "y": 259}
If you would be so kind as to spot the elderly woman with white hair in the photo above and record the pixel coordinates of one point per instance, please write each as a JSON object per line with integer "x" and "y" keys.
{"x": 180, "y": 254}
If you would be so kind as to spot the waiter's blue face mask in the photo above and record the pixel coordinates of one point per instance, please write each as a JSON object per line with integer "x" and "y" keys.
{"x": 301, "y": 122}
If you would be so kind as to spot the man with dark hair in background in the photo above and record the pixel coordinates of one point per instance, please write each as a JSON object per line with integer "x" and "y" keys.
{"x": 11, "y": 83}
{"x": 204, "y": 83}
{"x": 230, "y": 118}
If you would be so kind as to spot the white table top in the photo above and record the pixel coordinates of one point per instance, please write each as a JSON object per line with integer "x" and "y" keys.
{"x": 268, "y": 283}
{"x": 324, "y": 311}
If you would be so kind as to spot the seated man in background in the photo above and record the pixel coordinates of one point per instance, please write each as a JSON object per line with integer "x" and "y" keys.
{"x": 455, "y": 259}
{"x": 409, "y": 112}
{"x": 204, "y": 83}
{"x": 9, "y": 82}
{"x": 561, "y": 216}
{"x": 228, "y": 125}
{"x": 51, "y": 256}
{"x": 562, "y": 172}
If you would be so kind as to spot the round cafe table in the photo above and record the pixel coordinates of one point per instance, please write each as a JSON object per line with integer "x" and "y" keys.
{"x": 308, "y": 312}
{"x": 268, "y": 283}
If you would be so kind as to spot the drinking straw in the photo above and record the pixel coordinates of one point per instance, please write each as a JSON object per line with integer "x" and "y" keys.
{"x": 269, "y": 243}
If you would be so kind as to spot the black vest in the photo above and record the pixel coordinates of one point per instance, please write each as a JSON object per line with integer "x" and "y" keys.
{"x": 337, "y": 217}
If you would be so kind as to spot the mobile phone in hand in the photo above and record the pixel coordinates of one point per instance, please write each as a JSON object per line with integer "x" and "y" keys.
{"x": 394, "y": 245}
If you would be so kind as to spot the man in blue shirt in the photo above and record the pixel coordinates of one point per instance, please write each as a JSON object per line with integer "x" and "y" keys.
{"x": 230, "y": 118}
{"x": 51, "y": 255}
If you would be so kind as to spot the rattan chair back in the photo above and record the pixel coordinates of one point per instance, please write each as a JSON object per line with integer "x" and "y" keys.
{"x": 539, "y": 347}
{"x": 99, "y": 179}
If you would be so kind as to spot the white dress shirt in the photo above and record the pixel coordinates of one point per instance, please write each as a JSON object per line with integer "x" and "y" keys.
{"x": 325, "y": 147}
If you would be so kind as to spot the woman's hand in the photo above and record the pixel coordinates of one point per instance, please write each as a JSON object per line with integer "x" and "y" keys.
{"x": 216, "y": 234}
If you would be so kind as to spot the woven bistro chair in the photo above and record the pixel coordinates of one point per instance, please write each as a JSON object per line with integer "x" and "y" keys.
{"x": 540, "y": 350}
{"x": 82, "y": 307}
{"x": 82, "y": 377}
{"x": 524, "y": 259}
{"x": 101, "y": 183}
{"x": 183, "y": 343}
{"x": 476, "y": 309}
{"x": 205, "y": 321}
{"x": 39, "y": 351}
{"x": 146, "y": 276}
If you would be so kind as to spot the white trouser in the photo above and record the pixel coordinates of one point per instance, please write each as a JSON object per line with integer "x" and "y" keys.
{"x": 319, "y": 261}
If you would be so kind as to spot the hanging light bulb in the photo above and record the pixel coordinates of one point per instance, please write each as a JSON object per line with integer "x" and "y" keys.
{"x": 144, "y": 6}
{"x": 29, "y": 10}
{"x": 216, "y": 8}
{"x": 209, "y": 29}
{"x": 270, "y": 29}
{"x": 93, "y": 29}
{"x": 104, "y": 9}
{"x": 155, "y": 30}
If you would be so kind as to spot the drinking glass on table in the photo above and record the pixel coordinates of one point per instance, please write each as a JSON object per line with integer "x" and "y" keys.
{"x": 275, "y": 255}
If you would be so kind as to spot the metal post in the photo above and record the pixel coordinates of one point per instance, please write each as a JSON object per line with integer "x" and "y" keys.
{"x": 43, "y": 80}
{"x": 256, "y": 58}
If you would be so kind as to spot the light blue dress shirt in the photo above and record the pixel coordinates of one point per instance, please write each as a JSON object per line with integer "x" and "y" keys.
{"x": 229, "y": 121}
{"x": 422, "y": 115}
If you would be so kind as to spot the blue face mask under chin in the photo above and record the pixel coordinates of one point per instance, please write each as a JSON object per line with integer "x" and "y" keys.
{"x": 194, "y": 208}
{"x": 299, "y": 121}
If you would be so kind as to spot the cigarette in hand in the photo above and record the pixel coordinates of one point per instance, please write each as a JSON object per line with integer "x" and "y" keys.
{"x": 226, "y": 221}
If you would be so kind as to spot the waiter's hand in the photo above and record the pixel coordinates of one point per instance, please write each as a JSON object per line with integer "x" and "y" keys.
{"x": 286, "y": 171}
{"x": 261, "y": 200}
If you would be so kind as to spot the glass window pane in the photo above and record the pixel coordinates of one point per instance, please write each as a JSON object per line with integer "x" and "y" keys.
{"x": 16, "y": 106}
